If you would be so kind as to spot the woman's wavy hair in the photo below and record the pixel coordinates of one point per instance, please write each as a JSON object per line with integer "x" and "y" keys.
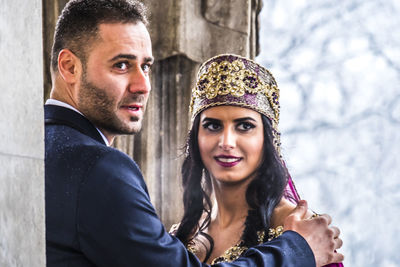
{"x": 263, "y": 193}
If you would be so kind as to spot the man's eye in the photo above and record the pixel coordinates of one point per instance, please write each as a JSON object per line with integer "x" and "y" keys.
{"x": 146, "y": 68}
{"x": 121, "y": 65}
{"x": 245, "y": 126}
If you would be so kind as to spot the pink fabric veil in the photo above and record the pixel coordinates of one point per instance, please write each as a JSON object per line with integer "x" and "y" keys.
{"x": 292, "y": 195}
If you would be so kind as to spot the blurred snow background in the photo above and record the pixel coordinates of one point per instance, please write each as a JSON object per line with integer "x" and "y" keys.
{"x": 337, "y": 64}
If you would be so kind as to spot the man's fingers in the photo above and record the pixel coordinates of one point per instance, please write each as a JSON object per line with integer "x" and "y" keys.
{"x": 336, "y": 239}
{"x": 324, "y": 217}
{"x": 336, "y": 231}
{"x": 337, "y": 257}
{"x": 338, "y": 243}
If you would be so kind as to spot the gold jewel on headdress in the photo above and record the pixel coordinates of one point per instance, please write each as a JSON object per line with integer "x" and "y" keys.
{"x": 237, "y": 81}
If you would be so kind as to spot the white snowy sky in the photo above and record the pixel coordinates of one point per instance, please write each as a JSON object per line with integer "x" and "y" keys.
{"x": 337, "y": 64}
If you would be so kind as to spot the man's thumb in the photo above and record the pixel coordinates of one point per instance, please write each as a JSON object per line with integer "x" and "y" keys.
{"x": 301, "y": 210}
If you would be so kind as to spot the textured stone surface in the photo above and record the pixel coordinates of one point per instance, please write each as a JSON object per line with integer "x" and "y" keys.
{"x": 51, "y": 11}
{"x": 21, "y": 79}
{"x": 197, "y": 30}
{"x": 337, "y": 64}
{"x": 158, "y": 148}
{"x": 22, "y": 234}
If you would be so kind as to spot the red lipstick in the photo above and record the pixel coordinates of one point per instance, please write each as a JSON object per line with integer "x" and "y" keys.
{"x": 227, "y": 161}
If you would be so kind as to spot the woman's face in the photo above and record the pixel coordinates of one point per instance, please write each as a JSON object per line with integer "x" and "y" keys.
{"x": 231, "y": 142}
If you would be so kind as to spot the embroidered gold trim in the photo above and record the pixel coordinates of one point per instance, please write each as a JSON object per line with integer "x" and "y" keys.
{"x": 234, "y": 79}
{"x": 231, "y": 254}
{"x": 274, "y": 233}
{"x": 237, "y": 250}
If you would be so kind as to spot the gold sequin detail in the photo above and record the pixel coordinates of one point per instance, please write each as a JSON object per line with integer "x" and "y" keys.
{"x": 231, "y": 254}
{"x": 236, "y": 251}
{"x": 235, "y": 79}
{"x": 274, "y": 233}
{"x": 190, "y": 247}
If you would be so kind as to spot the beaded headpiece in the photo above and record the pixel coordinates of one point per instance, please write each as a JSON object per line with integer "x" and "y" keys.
{"x": 237, "y": 81}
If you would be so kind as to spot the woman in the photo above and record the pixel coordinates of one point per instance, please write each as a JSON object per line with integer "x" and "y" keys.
{"x": 237, "y": 191}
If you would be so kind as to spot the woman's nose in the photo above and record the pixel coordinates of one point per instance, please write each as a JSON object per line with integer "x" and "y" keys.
{"x": 227, "y": 140}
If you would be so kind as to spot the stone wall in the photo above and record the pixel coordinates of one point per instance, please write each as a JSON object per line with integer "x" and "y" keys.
{"x": 22, "y": 232}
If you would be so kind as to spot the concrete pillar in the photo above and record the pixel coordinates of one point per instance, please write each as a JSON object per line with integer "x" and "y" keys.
{"x": 22, "y": 222}
{"x": 159, "y": 147}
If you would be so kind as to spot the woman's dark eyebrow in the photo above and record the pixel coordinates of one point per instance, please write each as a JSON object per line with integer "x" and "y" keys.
{"x": 245, "y": 119}
{"x": 207, "y": 119}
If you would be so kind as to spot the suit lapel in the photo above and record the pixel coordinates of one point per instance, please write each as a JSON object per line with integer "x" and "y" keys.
{"x": 64, "y": 116}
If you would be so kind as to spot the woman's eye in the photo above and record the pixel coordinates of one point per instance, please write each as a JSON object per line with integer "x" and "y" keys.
{"x": 245, "y": 126}
{"x": 212, "y": 126}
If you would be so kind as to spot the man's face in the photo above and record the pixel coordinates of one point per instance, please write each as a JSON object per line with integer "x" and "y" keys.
{"x": 115, "y": 83}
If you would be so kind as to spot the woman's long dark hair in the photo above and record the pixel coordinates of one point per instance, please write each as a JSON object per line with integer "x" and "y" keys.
{"x": 263, "y": 193}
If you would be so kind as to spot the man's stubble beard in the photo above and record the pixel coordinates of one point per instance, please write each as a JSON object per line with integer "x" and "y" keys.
{"x": 97, "y": 107}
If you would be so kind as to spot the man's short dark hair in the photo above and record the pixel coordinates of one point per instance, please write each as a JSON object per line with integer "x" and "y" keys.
{"x": 77, "y": 26}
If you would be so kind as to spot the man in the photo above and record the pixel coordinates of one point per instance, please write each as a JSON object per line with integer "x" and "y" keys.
{"x": 98, "y": 212}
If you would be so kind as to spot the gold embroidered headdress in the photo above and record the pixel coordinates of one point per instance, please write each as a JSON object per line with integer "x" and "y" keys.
{"x": 237, "y": 81}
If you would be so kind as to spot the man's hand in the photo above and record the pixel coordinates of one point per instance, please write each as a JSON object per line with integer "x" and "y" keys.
{"x": 322, "y": 239}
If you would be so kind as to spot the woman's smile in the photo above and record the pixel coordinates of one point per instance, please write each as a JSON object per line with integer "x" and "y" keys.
{"x": 227, "y": 161}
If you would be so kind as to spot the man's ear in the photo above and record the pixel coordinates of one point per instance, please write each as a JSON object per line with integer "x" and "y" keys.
{"x": 69, "y": 66}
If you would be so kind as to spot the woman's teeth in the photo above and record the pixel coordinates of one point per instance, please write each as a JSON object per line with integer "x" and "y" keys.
{"x": 228, "y": 160}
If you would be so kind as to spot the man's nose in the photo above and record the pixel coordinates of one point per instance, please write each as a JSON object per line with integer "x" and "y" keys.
{"x": 227, "y": 140}
{"x": 139, "y": 82}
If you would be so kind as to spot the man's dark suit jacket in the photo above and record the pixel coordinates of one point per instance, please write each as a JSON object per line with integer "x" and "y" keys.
{"x": 98, "y": 211}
